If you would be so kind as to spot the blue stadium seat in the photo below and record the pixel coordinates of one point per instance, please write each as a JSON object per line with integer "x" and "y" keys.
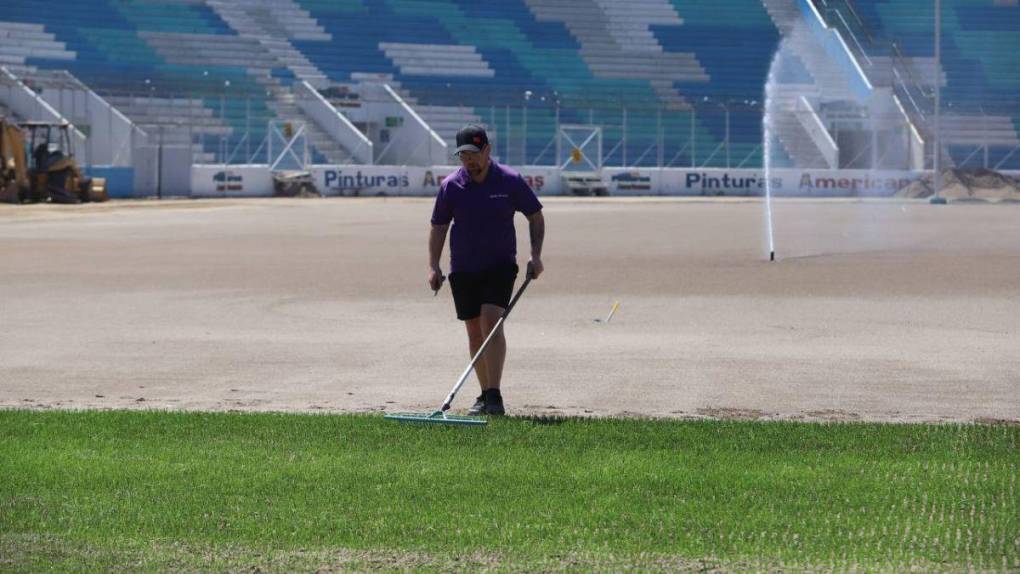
{"x": 731, "y": 40}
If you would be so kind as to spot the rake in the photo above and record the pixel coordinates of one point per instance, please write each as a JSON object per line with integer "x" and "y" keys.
{"x": 440, "y": 416}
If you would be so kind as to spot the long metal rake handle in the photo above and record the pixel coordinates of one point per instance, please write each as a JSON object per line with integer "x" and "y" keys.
{"x": 485, "y": 344}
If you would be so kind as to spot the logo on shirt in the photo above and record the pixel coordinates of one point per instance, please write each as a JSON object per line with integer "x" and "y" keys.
{"x": 498, "y": 195}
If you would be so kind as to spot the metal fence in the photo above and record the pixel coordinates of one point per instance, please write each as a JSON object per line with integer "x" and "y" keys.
{"x": 232, "y": 129}
{"x": 230, "y": 124}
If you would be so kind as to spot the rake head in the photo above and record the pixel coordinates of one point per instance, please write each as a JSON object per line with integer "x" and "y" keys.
{"x": 436, "y": 418}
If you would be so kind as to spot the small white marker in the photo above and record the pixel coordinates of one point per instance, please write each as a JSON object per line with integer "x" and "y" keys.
{"x": 610, "y": 315}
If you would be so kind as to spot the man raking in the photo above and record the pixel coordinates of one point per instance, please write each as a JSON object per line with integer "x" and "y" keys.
{"x": 481, "y": 199}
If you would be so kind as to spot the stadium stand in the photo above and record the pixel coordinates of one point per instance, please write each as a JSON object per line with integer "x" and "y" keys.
{"x": 20, "y": 41}
{"x": 671, "y": 82}
{"x": 980, "y": 40}
{"x": 175, "y": 68}
{"x": 592, "y": 57}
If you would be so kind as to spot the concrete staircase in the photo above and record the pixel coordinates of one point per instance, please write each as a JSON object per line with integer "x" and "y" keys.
{"x": 617, "y": 41}
{"x": 258, "y": 53}
{"x": 978, "y": 130}
{"x": 20, "y": 41}
{"x": 784, "y": 14}
{"x": 446, "y": 121}
{"x": 437, "y": 60}
{"x": 205, "y": 50}
{"x": 270, "y": 24}
{"x": 830, "y": 79}
{"x": 830, "y": 84}
{"x": 177, "y": 121}
{"x": 284, "y": 105}
{"x": 788, "y": 128}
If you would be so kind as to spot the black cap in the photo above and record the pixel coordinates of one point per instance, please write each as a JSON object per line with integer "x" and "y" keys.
{"x": 471, "y": 138}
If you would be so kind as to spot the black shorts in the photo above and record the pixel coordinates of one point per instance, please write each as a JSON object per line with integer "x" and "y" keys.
{"x": 471, "y": 290}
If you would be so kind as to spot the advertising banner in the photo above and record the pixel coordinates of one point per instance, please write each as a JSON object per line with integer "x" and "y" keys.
{"x": 751, "y": 182}
{"x": 384, "y": 180}
{"x": 367, "y": 180}
{"x": 231, "y": 181}
{"x": 380, "y": 180}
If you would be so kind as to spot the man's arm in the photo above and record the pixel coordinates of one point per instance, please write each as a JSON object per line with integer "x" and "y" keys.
{"x": 536, "y": 228}
{"x": 437, "y": 238}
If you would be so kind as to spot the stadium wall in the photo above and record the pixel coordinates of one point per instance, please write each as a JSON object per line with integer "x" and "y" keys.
{"x": 119, "y": 180}
{"x": 351, "y": 180}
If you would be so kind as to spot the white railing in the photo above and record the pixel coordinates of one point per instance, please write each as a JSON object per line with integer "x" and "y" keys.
{"x": 31, "y": 107}
{"x": 335, "y": 124}
{"x": 830, "y": 38}
{"x": 815, "y": 128}
{"x": 915, "y": 149}
{"x": 411, "y": 141}
{"x": 112, "y": 136}
{"x": 849, "y": 30}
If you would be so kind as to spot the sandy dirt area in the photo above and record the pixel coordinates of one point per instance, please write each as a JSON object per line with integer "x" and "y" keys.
{"x": 875, "y": 310}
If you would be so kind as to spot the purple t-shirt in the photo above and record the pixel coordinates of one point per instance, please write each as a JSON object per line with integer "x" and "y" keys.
{"x": 483, "y": 235}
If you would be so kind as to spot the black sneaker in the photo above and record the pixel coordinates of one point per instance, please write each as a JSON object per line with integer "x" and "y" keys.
{"x": 479, "y": 407}
{"x": 493, "y": 402}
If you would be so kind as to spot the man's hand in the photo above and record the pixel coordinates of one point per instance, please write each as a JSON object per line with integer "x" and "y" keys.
{"x": 535, "y": 267}
{"x": 436, "y": 279}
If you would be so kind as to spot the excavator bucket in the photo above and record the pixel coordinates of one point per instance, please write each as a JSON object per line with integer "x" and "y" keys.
{"x": 13, "y": 168}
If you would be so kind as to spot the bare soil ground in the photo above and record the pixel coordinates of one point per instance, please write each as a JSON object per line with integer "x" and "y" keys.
{"x": 875, "y": 310}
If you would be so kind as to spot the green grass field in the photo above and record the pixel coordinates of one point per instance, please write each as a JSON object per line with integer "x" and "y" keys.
{"x": 158, "y": 491}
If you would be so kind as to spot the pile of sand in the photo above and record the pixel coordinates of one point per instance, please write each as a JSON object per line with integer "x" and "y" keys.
{"x": 966, "y": 185}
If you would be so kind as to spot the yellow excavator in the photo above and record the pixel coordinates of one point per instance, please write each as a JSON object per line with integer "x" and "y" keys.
{"x": 39, "y": 165}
